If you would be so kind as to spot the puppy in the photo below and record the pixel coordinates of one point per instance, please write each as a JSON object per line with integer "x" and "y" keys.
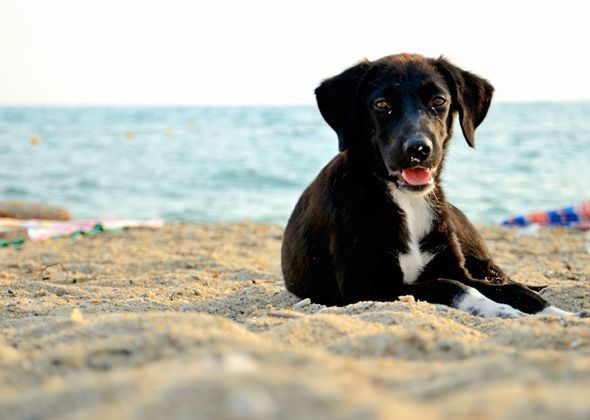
{"x": 375, "y": 224}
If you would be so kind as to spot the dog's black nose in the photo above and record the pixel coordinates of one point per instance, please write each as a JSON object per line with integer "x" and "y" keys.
{"x": 417, "y": 149}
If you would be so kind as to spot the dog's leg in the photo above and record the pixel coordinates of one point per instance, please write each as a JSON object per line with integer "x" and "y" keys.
{"x": 477, "y": 258}
{"x": 487, "y": 300}
{"x": 458, "y": 295}
{"x": 522, "y": 298}
{"x": 484, "y": 269}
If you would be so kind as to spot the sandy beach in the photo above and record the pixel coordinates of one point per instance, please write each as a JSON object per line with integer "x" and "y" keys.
{"x": 193, "y": 321}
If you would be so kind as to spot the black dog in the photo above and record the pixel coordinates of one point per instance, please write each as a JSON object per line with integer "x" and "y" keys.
{"x": 374, "y": 224}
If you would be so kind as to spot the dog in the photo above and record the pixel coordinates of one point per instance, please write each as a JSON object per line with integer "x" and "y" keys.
{"x": 375, "y": 224}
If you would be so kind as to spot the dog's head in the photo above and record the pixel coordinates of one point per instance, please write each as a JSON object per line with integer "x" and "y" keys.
{"x": 396, "y": 114}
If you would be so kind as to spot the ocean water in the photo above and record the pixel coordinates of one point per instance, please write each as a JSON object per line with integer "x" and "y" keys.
{"x": 211, "y": 164}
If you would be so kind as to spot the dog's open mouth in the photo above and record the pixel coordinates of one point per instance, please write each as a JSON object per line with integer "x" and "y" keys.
{"x": 417, "y": 176}
{"x": 414, "y": 179}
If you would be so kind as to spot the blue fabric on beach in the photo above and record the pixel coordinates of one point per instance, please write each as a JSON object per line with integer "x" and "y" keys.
{"x": 570, "y": 216}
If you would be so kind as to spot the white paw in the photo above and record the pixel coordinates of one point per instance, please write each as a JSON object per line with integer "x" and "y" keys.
{"x": 477, "y": 304}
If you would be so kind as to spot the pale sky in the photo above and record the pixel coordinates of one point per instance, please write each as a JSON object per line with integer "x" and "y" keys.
{"x": 125, "y": 52}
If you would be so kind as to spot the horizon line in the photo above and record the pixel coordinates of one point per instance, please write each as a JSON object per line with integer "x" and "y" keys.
{"x": 245, "y": 104}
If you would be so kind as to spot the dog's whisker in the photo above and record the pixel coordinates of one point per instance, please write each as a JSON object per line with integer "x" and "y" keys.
{"x": 433, "y": 110}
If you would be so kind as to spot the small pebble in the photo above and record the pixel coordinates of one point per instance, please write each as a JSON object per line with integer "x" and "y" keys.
{"x": 77, "y": 317}
{"x": 302, "y": 303}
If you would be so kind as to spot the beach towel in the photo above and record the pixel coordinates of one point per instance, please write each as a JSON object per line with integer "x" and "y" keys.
{"x": 577, "y": 216}
{"x": 38, "y": 230}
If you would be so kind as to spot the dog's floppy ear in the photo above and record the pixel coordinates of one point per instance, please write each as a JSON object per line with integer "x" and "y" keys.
{"x": 336, "y": 99}
{"x": 471, "y": 96}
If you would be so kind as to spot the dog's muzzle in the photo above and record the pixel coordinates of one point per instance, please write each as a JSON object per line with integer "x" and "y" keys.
{"x": 416, "y": 173}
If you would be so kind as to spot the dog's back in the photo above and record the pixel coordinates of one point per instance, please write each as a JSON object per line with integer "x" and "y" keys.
{"x": 305, "y": 257}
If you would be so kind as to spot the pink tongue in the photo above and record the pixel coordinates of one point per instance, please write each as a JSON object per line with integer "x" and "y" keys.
{"x": 416, "y": 176}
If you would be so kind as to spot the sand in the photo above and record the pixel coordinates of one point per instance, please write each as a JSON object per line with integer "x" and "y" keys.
{"x": 192, "y": 321}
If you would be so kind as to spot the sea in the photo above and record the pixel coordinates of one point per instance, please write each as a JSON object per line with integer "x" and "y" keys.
{"x": 219, "y": 164}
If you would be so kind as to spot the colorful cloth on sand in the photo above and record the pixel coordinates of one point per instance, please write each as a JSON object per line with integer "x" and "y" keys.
{"x": 577, "y": 216}
{"x": 38, "y": 230}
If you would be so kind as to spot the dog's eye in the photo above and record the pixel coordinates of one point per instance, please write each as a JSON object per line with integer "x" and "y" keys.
{"x": 438, "y": 101}
{"x": 382, "y": 105}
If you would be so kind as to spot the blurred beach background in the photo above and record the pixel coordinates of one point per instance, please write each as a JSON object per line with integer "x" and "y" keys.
{"x": 205, "y": 112}
{"x": 210, "y": 164}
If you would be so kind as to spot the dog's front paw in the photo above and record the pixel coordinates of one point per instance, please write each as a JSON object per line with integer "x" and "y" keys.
{"x": 479, "y": 305}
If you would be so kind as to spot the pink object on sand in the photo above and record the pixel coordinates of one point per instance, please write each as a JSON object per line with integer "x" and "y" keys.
{"x": 38, "y": 230}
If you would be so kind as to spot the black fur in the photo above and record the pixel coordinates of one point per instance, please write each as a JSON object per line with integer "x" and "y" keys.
{"x": 345, "y": 235}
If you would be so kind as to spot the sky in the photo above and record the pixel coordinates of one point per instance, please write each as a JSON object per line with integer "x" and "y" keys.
{"x": 252, "y": 52}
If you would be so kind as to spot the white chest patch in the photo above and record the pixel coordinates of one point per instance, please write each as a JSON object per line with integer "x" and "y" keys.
{"x": 419, "y": 218}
